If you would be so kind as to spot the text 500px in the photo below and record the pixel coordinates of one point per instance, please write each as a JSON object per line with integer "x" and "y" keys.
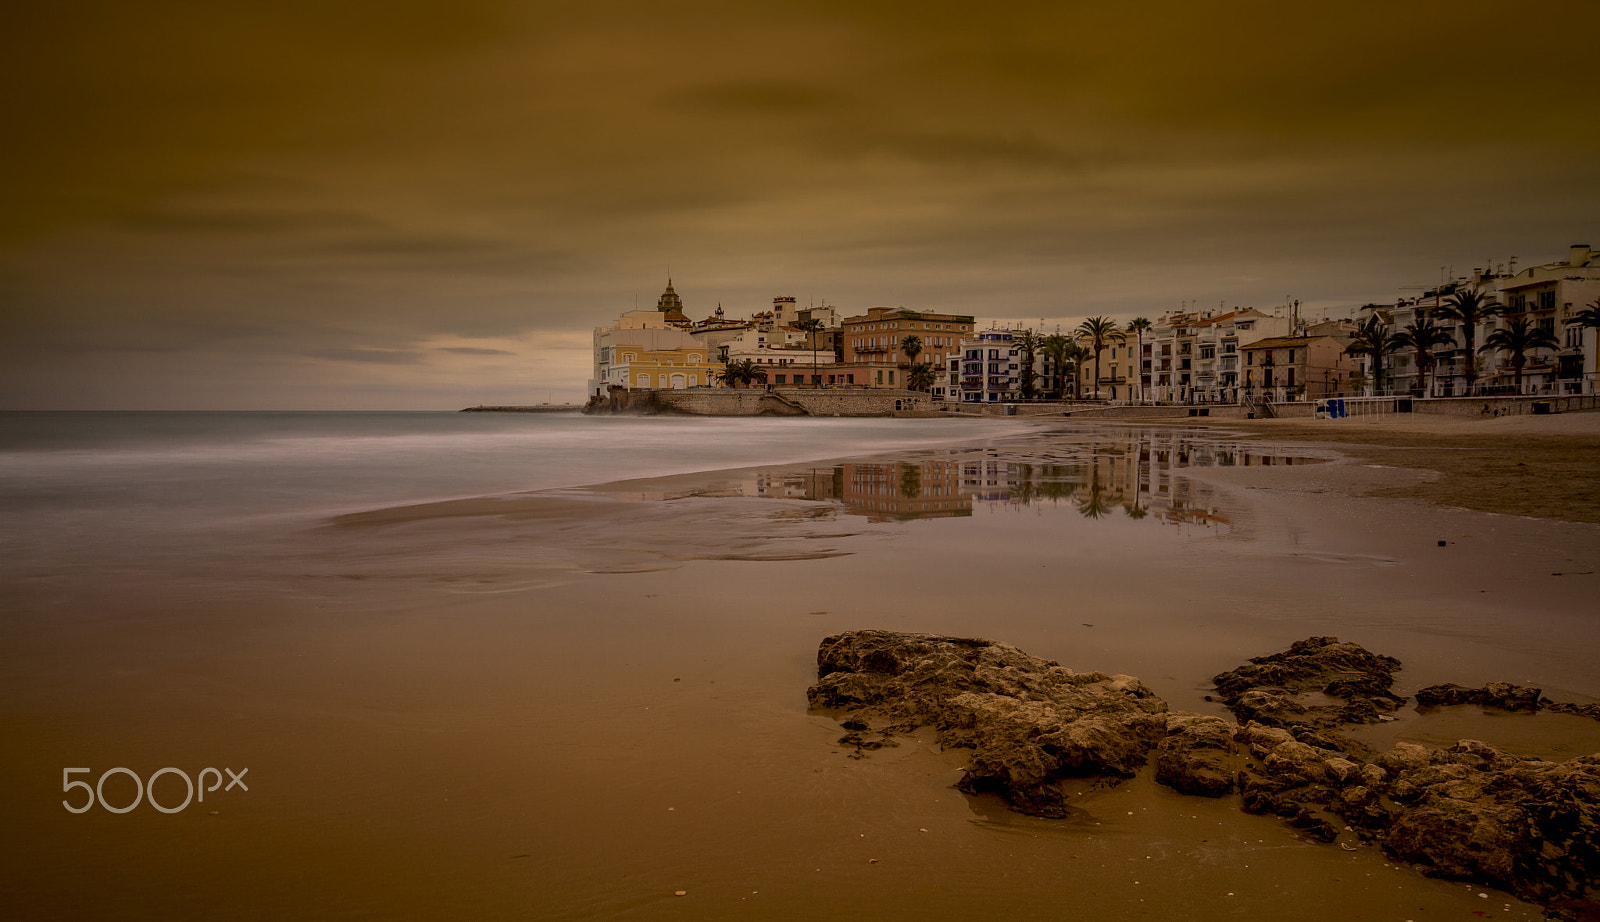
{"x": 147, "y": 790}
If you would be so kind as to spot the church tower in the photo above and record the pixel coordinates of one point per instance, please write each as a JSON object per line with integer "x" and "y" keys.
{"x": 672, "y": 306}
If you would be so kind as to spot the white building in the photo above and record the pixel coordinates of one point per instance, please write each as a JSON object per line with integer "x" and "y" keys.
{"x": 1550, "y": 295}
{"x": 1193, "y": 356}
{"x": 986, "y": 368}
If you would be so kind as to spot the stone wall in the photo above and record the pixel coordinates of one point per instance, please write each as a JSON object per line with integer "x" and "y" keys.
{"x": 781, "y": 401}
{"x": 1502, "y": 406}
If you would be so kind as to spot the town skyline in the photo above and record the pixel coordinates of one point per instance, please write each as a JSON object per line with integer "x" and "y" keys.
{"x": 294, "y": 209}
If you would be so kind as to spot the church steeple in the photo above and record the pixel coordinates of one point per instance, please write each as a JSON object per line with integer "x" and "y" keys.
{"x": 669, "y": 300}
{"x": 671, "y": 305}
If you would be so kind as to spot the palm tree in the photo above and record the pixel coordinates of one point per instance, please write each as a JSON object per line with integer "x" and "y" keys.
{"x": 1372, "y": 338}
{"x": 1470, "y": 308}
{"x": 1057, "y": 349}
{"x": 1422, "y": 335}
{"x": 1077, "y": 354}
{"x": 1029, "y": 344}
{"x": 921, "y": 377}
{"x": 912, "y": 347}
{"x": 1137, "y": 326}
{"x": 745, "y": 372}
{"x": 1589, "y": 316}
{"x": 811, "y": 326}
{"x": 1099, "y": 331}
{"x": 1515, "y": 339}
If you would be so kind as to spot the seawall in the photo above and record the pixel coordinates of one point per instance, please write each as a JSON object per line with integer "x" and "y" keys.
{"x": 781, "y": 401}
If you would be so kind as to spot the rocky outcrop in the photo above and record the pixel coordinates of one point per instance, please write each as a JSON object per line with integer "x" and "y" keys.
{"x": 1030, "y": 723}
{"x": 1502, "y": 695}
{"x": 1496, "y": 694}
{"x": 1199, "y": 755}
{"x": 1282, "y": 690}
{"x": 1469, "y": 812}
{"x": 620, "y": 401}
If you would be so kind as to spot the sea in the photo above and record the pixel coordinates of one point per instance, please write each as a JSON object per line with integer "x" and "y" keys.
{"x": 72, "y": 483}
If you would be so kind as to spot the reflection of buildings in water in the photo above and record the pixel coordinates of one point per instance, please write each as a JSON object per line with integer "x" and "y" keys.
{"x": 904, "y": 490}
{"x": 879, "y": 491}
{"x": 1178, "y": 499}
{"x": 812, "y": 483}
{"x": 1096, "y": 485}
{"x": 1137, "y": 475}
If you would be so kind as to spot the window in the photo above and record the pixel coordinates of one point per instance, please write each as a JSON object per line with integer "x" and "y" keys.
{"x": 1547, "y": 300}
{"x": 781, "y": 379}
{"x": 1291, "y": 362}
{"x": 628, "y": 357}
{"x": 644, "y": 380}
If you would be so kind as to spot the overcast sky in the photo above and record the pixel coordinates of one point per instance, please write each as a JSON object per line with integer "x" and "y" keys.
{"x": 313, "y": 204}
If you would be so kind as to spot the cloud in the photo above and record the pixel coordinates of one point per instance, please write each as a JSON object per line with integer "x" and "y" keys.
{"x": 364, "y": 197}
{"x": 375, "y": 356}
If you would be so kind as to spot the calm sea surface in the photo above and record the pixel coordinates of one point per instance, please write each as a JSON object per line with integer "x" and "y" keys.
{"x": 67, "y": 478}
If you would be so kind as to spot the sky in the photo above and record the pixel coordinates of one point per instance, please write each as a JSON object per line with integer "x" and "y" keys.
{"x": 309, "y": 204}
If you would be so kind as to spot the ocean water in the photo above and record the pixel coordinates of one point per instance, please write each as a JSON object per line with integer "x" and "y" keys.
{"x": 76, "y": 483}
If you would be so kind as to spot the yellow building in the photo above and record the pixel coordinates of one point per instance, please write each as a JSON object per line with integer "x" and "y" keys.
{"x": 643, "y": 350}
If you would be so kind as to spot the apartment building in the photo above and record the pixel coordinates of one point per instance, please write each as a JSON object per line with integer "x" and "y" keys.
{"x": 1283, "y": 368}
{"x": 874, "y": 341}
{"x": 986, "y": 368}
{"x": 1194, "y": 356}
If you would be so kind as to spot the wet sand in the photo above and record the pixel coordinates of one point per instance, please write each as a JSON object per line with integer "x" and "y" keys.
{"x": 574, "y": 705}
{"x": 1547, "y": 466}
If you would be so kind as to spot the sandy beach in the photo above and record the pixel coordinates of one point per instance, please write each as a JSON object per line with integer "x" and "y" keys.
{"x": 1546, "y": 466}
{"x": 575, "y": 704}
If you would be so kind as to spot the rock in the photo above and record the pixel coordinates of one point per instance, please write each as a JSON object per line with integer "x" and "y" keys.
{"x": 1468, "y": 812}
{"x": 1030, "y": 723}
{"x": 1277, "y": 690}
{"x": 1199, "y": 755}
{"x": 1495, "y": 694}
{"x": 1528, "y": 826}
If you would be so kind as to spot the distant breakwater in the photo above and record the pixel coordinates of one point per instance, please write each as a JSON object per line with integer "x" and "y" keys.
{"x": 546, "y": 408}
